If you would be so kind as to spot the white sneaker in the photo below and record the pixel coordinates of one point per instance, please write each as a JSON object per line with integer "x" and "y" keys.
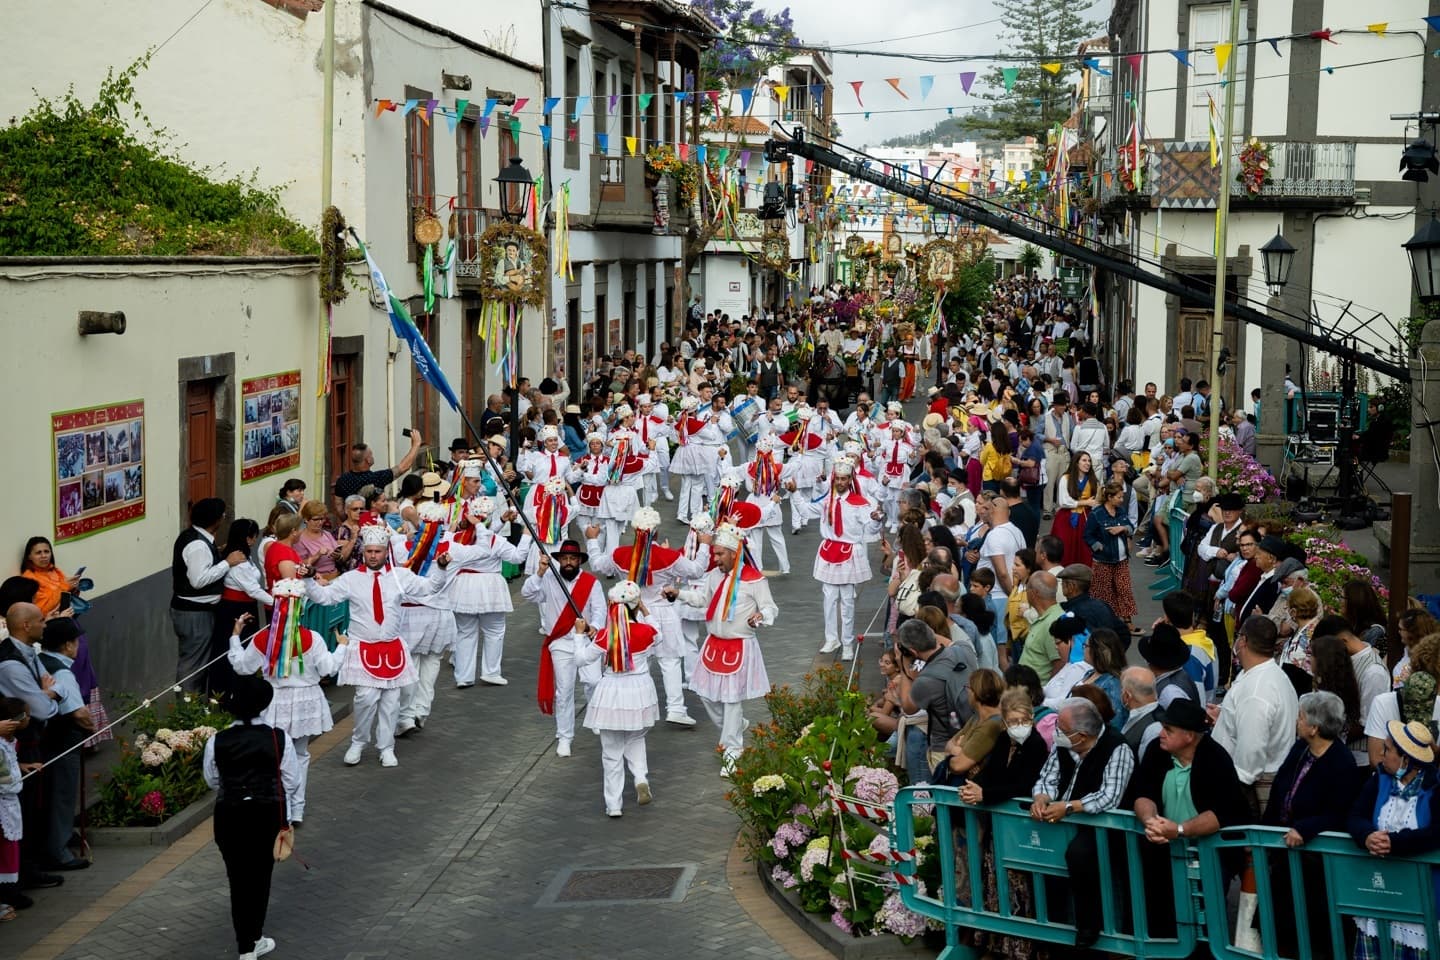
{"x": 847, "y": 652}
{"x": 263, "y": 946}
{"x": 643, "y": 794}
{"x": 613, "y": 813}
{"x": 248, "y": 956}
{"x": 831, "y": 645}
{"x": 727, "y": 765}
{"x": 352, "y": 756}
{"x": 405, "y": 727}
{"x": 682, "y": 719}
{"x": 669, "y": 496}
{"x": 387, "y": 758}
{"x": 494, "y": 679}
{"x": 563, "y": 748}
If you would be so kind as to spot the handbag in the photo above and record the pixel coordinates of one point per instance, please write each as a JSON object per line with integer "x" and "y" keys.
{"x": 1030, "y": 476}
{"x": 285, "y": 838}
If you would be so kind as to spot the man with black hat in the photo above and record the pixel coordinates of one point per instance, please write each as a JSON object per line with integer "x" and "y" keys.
{"x": 1186, "y": 789}
{"x": 1166, "y": 654}
{"x": 252, "y": 767}
{"x": 61, "y": 741}
{"x": 1056, "y": 428}
{"x": 1268, "y": 554}
{"x": 1075, "y": 584}
{"x": 565, "y": 630}
{"x": 1221, "y": 544}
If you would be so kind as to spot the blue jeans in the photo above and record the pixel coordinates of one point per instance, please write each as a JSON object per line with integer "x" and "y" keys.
{"x": 888, "y": 394}
{"x": 999, "y": 631}
{"x": 917, "y": 757}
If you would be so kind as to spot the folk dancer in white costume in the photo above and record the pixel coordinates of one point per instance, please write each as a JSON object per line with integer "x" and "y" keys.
{"x": 765, "y": 478}
{"x": 293, "y": 660}
{"x": 623, "y": 705}
{"x": 693, "y": 618}
{"x": 653, "y": 427}
{"x": 864, "y": 481}
{"x": 653, "y": 567}
{"x": 746, "y": 413}
{"x": 565, "y": 633}
{"x": 892, "y": 462}
{"x": 428, "y": 622}
{"x": 478, "y": 593}
{"x": 606, "y": 482}
{"x": 377, "y": 660}
{"x": 736, "y": 599}
{"x": 551, "y": 460}
{"x": 849, "y": 521}
{"x": 550, "y": 507}
{"x": 804, "y": 448}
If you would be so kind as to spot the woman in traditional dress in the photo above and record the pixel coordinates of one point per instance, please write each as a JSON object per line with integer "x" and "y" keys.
{"x": 1077, "y": 494}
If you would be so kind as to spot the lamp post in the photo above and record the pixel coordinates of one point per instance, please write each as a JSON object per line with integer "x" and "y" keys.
{"x": 517, "y": 189}
{"x": 1424, "y": 252}
{"x": 1277, "y": 257}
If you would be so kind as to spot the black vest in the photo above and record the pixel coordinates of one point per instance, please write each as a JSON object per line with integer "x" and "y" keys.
{"x": 249, "y": 765}
{"x": 180, "y": 586}
{"x": 61, "y": 731}
{"x": 1136, "y": 733}
{"x": 769, "y": 374}
{"x": 1091, "y": 772}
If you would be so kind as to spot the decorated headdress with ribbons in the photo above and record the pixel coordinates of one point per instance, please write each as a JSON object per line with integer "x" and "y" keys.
{"x": 285, "y": 643}
{"x": 374, "y": 535}
{"x": 728, "y": 538}
{"x": 699, "y": 523}
{"x": 426, "y": 542}
{"x": 549, "y": 432}
{"x": 623, "y": 596}
{"x": 619, "y": 453}
{"x": 647, "y": 521}
{"x": 550, "y": 512}
{"x": 767, "y": 467}
{"x": 724, "y": 500}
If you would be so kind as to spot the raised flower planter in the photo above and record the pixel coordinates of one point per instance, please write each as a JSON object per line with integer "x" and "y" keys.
{"x": 831, "y": 938}
{"x": 162, "y": 834}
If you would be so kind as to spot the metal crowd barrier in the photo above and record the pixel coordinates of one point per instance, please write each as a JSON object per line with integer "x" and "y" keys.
{"x": 1311, "y": 916}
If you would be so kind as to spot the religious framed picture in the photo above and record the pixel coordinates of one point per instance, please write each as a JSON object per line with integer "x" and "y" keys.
{"x": 270, "y": 408}
{"x": 513, "y": 264}
{"x": 937, "y": 260}
{"x": 99, "y": 468}
{"x": 894, "y": 247}
{"x": 776, "y": 252}
{"x": 587, "y": 350}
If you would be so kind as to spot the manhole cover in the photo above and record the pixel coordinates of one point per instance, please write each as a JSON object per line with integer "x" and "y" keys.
{"x": 607, "y": 886}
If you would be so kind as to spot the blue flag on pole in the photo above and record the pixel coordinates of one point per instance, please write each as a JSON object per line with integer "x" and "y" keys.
{"x": 425, "y": 362}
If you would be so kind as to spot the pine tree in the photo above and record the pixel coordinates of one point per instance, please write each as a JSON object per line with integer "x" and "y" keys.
{"x": 1036, "y": 31}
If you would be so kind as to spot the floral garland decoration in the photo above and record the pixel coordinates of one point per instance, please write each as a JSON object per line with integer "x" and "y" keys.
{"x": 1255, "y": 161}
{"x": 662, "y": 161}
{"x": 492, "y": 245}
{"x": 332, "y": 256}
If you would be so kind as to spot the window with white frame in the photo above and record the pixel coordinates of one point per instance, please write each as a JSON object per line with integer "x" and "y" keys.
{"x": 1209, "y": 25}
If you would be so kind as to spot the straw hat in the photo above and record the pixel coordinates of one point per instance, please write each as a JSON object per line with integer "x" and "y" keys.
{"x": 1413, "y": 739}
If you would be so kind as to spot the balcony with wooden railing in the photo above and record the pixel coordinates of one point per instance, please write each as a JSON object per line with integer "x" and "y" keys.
{"x": 1178, "y": 171}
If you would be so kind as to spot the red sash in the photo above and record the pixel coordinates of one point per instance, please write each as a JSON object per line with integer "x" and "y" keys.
{"x": 723, "y": 655}
{"x": 589, "y": 494}
{"x": 836, "y": 551}
{"x": 564, "y": 623}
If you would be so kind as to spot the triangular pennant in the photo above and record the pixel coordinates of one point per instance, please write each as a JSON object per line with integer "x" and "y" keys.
{"x": 573, "y": 134}
{"x": 817, "y": 92}
{"x": 895, "y": 83}
{"x": 724, "y": 155}
{"x": 423, "y": 112}
{"x": 1093, "y": 63}
{"x": 701, "y": 153}
{"x": 1009, "y": 74}
{"x": 744, "y": 159}
{"x": 614, "y": 101}
{"x": 1182, "y": 55}
{"x": 747, "y": 95}
{"x": 1053, "y": 68}
{"x": 682, "y": 150}
{"x": 515, "y": 128}
{"x": 949, "y": 111}
{"x": 519, "y": 104}
{"x": 925, "y": 84}
{"x": 867, "y": 114}
{"x": 1134, "y": 60}
{"x": 580, "y": 104}
{"x": 1275, "y": 44}
{"x": 809, "y": 166}
{"x": 550, "y": 104}
{"x": 1222, "y": 56}
{"x": 644, "y": 100}
{"x": 1434, "y": 22}
{"x": 484, "y": 127}
{"x": 410, "y": 106}
{"x": 782, "y": 92}
{"x": 452, "y": 119}
{"x": 381, "y": 106}
{"x": 1378, "y": 28}
{"x": 460, "y": 106}
{"x": 489, "y": 107}
{"x": 855, "y": 85}
{"x": 430, "y": 106}
{"x": 602, "y": 142}
{"x": 714, "y": 96}
{"x": 681, "y": 96}
{"x": 545, "y": 134}
{"x": 1326, "y": 34}
{"x": 630, "y": 145}
{"x": 966, "y": 79}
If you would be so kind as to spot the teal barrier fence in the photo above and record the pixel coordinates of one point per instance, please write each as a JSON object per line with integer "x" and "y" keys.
{"x": 1306, "y": 899}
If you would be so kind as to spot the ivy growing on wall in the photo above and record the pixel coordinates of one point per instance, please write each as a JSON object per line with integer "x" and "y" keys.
{"x": 77, "y": 180}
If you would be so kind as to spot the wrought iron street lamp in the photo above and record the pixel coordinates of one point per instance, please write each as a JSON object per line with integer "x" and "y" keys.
{"x": 1277, "y": 257}
{"x": 517, "y": 189}
{"x": 1424, "y": 252}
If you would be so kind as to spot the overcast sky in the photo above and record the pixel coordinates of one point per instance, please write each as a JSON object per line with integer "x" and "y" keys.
{"x": 929, "y": 27}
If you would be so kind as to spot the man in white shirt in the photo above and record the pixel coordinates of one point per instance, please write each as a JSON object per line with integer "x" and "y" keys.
{"x": 197, "y": 573}
{"x": 1183, "y": 397}
{"x": 1255, "y": 722}
{"x": 1090, "y": 436}
{"x": 1056, "y": 427}
{"x": 997, "y": 554}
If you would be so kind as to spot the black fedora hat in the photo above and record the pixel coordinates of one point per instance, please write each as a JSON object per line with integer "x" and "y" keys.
{"x": 1164, "y": 649}
{"x": 572, "y": 548}
{"x": 1184, "y": 713}
{"x": 249, "y": 696}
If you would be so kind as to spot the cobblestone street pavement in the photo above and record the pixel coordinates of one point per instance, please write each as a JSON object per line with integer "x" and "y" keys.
{"x": 457, "y": 852}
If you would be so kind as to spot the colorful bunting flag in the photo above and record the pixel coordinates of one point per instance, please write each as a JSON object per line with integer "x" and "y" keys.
{"x": 1182, "y": 55}
{"x": 817, "y": 92}
{"x": 1053, "y": 68}
{"x": 1222, "y": 56}
{"x": 550, "y": 104}
{"x": 747, "y": 95}
{"x": 700, "y": 153}
{"x": 460, "y": 106}
{"x": 855, "y": 85}
{"x": 630, "y": 145}
{"x": 545, "y": 134}
{"x": 895, "y": 82}
{"x": 782, "y": 92}
{"x": 515, "y": 127}
{"x": 644, "y": 100}
{"x": 602, "y": 142}
{"x": 484, "y": 127}
{"x": 682, "y": 150}
{"x": 1093, "y": 63}
{"x": 714, "y": 96}
{"x": 580, "y": 104}
{"x": 382, "y": 105}
{"x": 451, "y": 119}
{"x": 489, "y": 106}
{"x": 1378, "y": 28}
{"x": 1134, "y": 61}
{"x": 1274, "y": 44}
{"x": 410, "y": 105}
{"x": 966, "y": 79}
{"x": 925, "y": 84}
{"x": 614, "y": 101}
{"x": 1009, "y": 74}
{"x": 519, "y": 104}
{"x": 744, "y": 159}
{"x": 1434, "y": 22}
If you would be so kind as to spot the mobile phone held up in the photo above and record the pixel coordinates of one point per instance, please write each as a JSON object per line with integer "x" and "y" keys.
{"x": 406, "y": 433}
